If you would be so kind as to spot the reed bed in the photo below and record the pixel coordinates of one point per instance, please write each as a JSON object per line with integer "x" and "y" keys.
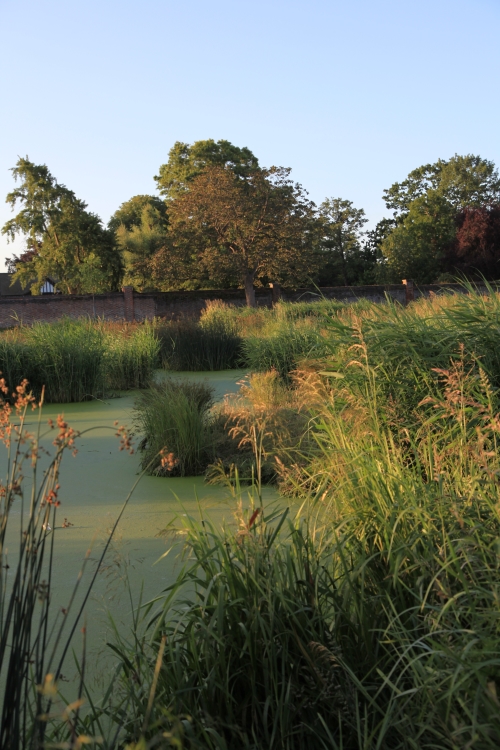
{"x": 369, "y": 618}
{"x": 177, "y": 427}
{"x": 77, "y": 360}
{"x": 132, "y": 355}
{"x": 187, "y": 345}
{"x": 364, "y": 615}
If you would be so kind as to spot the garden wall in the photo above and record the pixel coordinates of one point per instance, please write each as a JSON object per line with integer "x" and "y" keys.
{"x": 130, "y": 305}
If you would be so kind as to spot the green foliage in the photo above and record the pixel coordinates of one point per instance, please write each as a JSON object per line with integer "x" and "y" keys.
{"x": 368, "y": 621}
{"x": 461, "y": 181}
{"x": 368, "y": 618}
{"x": 131, "y": 356}
{"x": 416, "y": 247}
{"x": 186, "y": 162}
{"x": 282, "y": 346}
{"x": 139, "y": 244}
{"x": 345, "y": 259}
{"x": 425, "y": 207}
{"x": 130, "y": 212}
{"x": 66, "y": 357}
{"x": 212, "y": 344}
{"x": 65, "y": 241}
{"x": 77, "y": 360}
{"x": 174, "y": 418}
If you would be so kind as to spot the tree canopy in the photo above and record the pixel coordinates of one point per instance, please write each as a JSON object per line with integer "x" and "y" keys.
{"x": 416, "y": 247}
{"x": 427, "y": 207}
{"x": 462, "y": 181}
{"x": 344, "y": 257}
{"x": 257, "y": 227}
{"x": 139, "y": 244}
{"x": 64, "y": 241}
{"x": 129, "y": 214}
{"x": 186, "y": 162}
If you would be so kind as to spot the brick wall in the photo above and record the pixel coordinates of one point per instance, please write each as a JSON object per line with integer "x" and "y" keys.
{"x": 129, "y": 305}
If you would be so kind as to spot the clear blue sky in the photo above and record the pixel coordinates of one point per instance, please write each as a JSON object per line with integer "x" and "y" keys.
{"x": 352, "y": 95}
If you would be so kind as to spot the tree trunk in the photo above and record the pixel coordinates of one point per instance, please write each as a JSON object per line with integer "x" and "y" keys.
{"x": 249, "y": 290}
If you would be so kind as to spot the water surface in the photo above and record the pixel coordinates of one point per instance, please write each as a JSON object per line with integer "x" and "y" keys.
{"x": 94, "y": 485}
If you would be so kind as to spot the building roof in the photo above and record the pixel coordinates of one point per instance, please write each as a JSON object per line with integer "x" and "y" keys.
{"x": 6, "y": 290}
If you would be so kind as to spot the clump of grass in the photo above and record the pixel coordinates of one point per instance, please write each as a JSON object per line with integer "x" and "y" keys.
{"x": 187, "y": 345}
{"x": 175, "y": 420}
{"x": 278, "y": 414}
{"x": 292, "y": 311}
{"x": 66, "y": 357}
{"x": 80, "y": 359}
{"x": 132, "y": 355}
{"x": 282, "y": 346}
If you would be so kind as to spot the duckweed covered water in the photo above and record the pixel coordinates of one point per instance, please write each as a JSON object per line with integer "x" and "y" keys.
{"x": 94, "y": 486}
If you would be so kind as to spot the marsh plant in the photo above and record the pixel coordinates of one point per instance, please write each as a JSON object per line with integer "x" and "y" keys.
{"x": 174, "y": 418}
{"x": 189, "y": 345}
{"x": 77, "y": 360}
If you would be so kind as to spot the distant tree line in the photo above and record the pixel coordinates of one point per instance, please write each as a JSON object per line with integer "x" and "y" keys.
{"x": 221, "y": 220}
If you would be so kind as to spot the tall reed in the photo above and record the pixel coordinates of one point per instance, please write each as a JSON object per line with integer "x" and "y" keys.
{"x": 187, "y": 345}
{"x": 174, "y": 419}
{"x": 34, "y": 640}
{"x": 282, "y": 346}
{"x": 132, "y": 355}
{"x": 66, "y": 357}
{"x": 80, "y": 359}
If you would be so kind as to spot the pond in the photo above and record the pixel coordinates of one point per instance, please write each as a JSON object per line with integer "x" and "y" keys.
{"x": 94, "y": 485}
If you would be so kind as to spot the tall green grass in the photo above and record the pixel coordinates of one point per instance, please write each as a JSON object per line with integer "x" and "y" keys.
{"x": 282, "y": 346}
{"x": 173, "y": 416}
{"x": 66, "y": 357}
{"x": 187, "y": 345}
{"x": 76, "y": 360}
{"x": 131, "y": 356}
{"x": 367, "y": 616}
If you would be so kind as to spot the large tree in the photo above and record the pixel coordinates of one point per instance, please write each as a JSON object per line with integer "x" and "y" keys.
{"x": 426, "y": 206}
{"x": 129, "y": 214}
{"x": 140, "y": 227}
{"x": 260, "y": 226}
{"x": 461, "y": 181}
{"x": 186, "y": 162}
{"x": 416, "y": 247}
{"x": 344, "y": 257}
{"x": 139, "y": 244}
{"x": 64, "y": 241}
{"x": 476, "y": 248}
